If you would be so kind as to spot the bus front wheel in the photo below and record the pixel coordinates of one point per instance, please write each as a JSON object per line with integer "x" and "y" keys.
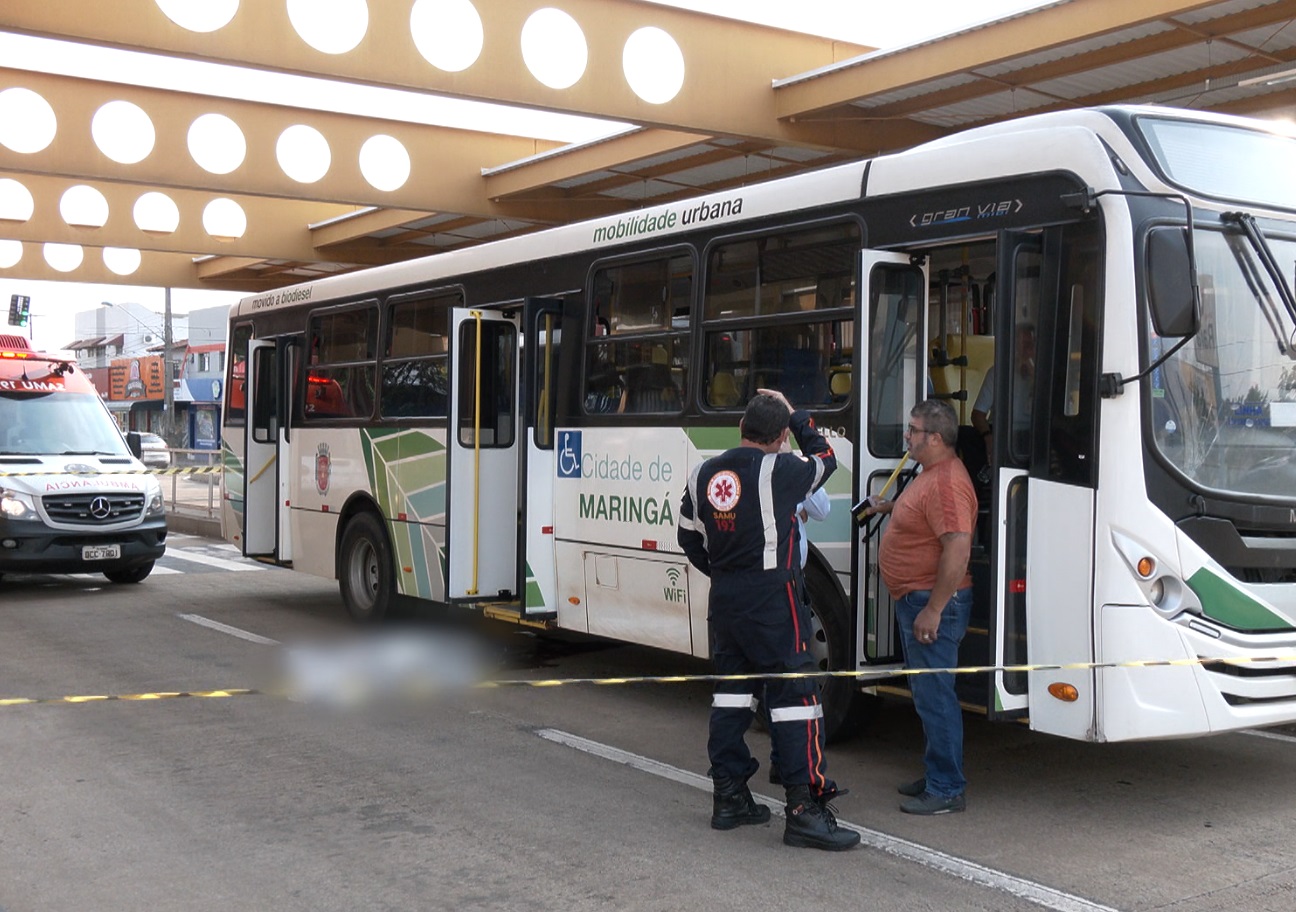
{"x": 365, "y": 569}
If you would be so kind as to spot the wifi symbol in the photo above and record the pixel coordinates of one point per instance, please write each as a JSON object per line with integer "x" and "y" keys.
{"x": 673, "y": 574}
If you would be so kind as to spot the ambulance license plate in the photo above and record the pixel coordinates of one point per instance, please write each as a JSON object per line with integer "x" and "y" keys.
{"x": 100, "y": 552}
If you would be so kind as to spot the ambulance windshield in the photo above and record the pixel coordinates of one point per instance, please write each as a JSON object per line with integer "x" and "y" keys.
{"x": 55, "y": 423}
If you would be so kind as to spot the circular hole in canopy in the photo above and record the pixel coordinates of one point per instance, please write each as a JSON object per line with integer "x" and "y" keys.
{"x": 553, "y": 48}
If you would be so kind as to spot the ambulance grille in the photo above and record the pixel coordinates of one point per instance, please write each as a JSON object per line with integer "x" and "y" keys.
{"x": 93, "y": 509}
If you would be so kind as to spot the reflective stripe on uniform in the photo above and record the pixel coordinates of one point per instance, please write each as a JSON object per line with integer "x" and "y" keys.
{"x": 765, "y": 490}
{"x": 796, "y": 713}
{"x": 694, "y": 522}
{"x": 733, "y": 701}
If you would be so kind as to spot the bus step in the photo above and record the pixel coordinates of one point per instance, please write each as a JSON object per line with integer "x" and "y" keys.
{"x": 511, "y": 612}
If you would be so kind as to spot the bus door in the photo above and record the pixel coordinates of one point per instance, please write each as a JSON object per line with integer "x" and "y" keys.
{"x": 261, "y": 463}
{"x": 544, "y": 371}
{"x": 1043, "y": 501}
{"x": 484, "y": 445}
{"x": 892, "y": 374}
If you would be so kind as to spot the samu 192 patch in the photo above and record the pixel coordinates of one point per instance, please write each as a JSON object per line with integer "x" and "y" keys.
{"x": 723, "y": 491}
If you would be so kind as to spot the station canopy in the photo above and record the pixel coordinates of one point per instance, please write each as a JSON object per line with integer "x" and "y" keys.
{"x": 207, "y": 178}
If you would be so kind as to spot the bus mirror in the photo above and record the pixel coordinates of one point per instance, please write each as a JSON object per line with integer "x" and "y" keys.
{"x": 134, "y": 445}
{"x": 1172, "y": 283}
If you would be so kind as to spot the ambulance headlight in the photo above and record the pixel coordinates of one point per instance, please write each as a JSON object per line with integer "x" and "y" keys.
{"x": 156, "y": 506}
{"x": 14, "y": 505}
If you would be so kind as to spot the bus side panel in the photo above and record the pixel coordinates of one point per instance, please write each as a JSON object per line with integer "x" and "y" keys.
{"x": 616, "y": 501}
{"x": 401, "y": 470}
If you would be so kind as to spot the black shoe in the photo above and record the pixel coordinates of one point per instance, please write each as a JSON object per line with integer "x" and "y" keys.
{"x": 913, "y": 789}
{"x": 733, "y": 805}
{"x": 928, "y": 805}
{"x": 811, "y": 825}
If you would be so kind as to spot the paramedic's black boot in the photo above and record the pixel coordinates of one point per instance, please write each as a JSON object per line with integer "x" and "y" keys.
{"x": 811, "y": 824}
{"x": 734, "y": 806}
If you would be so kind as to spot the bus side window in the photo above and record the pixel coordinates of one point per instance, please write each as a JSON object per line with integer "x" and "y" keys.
{"x": 416, "y": 367}
{"x": 637, "y": 352}
{"x": 779, "y": 314}
{"x": 340, "y": 374}
{"x": 236, "y": 382}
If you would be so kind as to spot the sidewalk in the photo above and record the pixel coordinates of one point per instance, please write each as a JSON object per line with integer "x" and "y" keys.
{"x": 192, "y": 523}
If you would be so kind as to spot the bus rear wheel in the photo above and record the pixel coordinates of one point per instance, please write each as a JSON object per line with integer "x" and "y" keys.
{"x": 365, "y": 569}
{"x": 133, "y": 575}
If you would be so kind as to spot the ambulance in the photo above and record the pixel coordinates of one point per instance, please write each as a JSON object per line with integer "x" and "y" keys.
{"x": 74, "y": 497}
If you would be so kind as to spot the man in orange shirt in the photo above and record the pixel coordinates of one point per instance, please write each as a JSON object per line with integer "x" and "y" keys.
{"x": 924, "y": 564}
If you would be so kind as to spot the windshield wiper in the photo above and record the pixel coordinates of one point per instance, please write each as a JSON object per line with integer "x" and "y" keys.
{"x": 1251, "y": 231}
{"x": 88, "y": 453}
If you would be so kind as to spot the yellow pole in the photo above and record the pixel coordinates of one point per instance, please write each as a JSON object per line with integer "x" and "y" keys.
{"x": 890, "y": 481}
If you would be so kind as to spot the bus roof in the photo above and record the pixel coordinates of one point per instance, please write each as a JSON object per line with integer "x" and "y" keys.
{"x": 836, "y": 184}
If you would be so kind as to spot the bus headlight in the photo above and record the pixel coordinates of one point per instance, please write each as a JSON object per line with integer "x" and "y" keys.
{"x": 156, "y": 506}
{"x": 14, "y": 505}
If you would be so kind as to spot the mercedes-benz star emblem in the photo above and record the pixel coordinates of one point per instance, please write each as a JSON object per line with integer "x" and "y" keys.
{"x": 100, "y": 508}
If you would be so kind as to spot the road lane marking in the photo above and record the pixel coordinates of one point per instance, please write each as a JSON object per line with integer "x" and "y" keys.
{"x": 1037, "y": 893}
{"x": 226, "y": 628}
{"x": 210, "y": 561}
{"x": 1272, "y": 736}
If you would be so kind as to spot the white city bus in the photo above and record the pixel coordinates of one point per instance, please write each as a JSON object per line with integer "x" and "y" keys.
{"x": 510, "y": 425}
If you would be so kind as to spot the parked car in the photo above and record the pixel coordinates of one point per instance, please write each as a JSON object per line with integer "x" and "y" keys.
{"x": 154, "y": 451}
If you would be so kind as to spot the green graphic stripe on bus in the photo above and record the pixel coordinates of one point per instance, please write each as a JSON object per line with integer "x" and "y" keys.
{"x": 533, "y": 597}
{"x": 233, "y": 479}
{"x": 411, "y": 541}
{"x": 406, "y": 471}
{"x": 718, "y": 439}
{"x": 1224, "y": 602}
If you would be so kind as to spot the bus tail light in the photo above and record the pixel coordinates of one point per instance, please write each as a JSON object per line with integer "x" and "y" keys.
{"x": 1067, "y": 693}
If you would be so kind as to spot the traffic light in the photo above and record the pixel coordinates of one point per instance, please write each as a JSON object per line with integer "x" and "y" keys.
{"x": 19, "y": 310}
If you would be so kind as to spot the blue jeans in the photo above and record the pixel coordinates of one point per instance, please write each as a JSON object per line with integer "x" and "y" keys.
{"x": 933, "y": 694}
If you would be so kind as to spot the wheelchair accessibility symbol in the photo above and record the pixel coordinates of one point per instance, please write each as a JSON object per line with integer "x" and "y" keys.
{"x": 569, "y": 454}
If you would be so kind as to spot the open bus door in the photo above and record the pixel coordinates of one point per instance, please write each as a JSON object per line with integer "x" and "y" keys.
{"x": 544, "y": 373}
{"x": 1043, "y": 421}
{"x": 264, "y": 533}
{"x": 1019, "y": 265}
{"x": 484, "y": 443}
{"x": 892, "y": 371}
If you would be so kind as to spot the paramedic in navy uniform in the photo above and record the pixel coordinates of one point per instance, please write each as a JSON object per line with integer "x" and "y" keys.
{"x": 737, "y": 524}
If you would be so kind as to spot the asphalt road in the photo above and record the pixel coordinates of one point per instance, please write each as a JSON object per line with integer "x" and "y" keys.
{"x": 563, "y": 798}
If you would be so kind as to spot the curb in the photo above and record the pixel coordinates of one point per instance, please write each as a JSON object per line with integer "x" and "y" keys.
{"x": 194, "y": 525}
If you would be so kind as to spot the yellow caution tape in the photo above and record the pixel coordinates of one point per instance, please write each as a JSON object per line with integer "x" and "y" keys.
{"x": 862, "y": 676}
{"x": 103, "y": 698}
{"x": 194, "y": 470}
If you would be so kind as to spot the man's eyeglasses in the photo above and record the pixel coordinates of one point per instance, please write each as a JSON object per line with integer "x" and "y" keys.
{"x": 916, "y": 430}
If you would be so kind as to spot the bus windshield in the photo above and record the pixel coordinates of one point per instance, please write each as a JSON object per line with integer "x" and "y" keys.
{"x": 57, "y": 423}
{"x": 1225, "y": 162}
{"x": 1224, "y": 405}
